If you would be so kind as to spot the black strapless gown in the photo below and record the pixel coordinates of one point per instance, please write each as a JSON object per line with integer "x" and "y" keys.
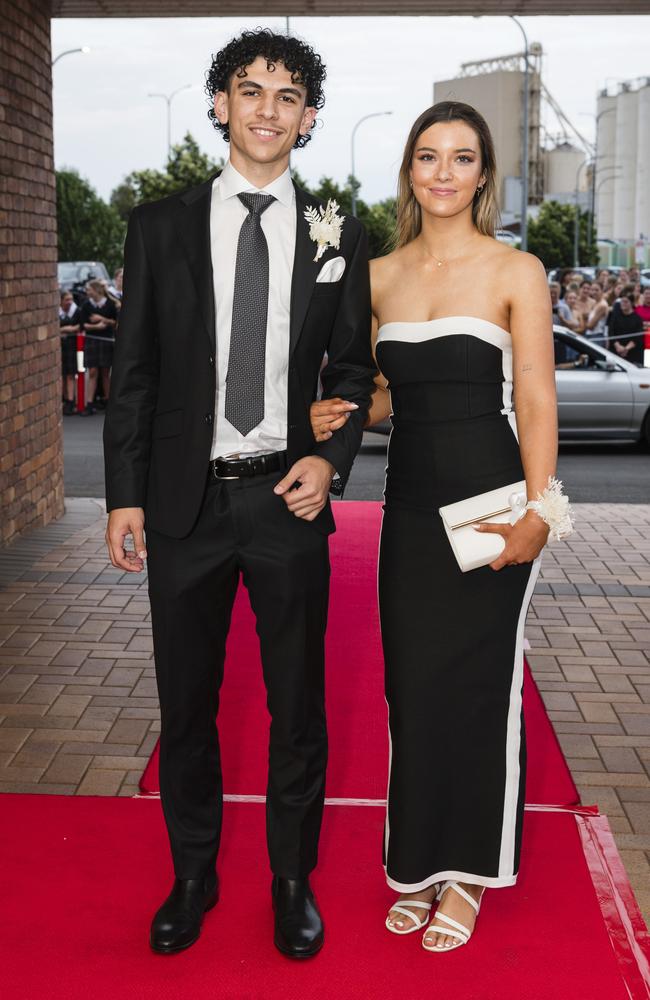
{"x": 453, "y": 642}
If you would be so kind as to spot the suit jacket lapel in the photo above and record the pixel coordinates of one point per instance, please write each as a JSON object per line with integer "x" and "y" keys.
{"x": 194, "y": 226}
{"x": 305, "y": 270}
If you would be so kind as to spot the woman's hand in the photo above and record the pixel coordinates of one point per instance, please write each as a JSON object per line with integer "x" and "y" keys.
{"x": 524, "y": 540}
{"x": 328, "y": 415}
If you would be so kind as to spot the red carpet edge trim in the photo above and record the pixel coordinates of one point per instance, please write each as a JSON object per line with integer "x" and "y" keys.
{"x": 625, "y": 925}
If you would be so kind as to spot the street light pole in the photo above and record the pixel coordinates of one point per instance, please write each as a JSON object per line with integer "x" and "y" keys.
{"x": 523, "y": 241}
{"x": 375, "y": 114}
{"x": 576, "y": 221}
{"x": 68, "y": 52}
{"x": 169, "y": 98}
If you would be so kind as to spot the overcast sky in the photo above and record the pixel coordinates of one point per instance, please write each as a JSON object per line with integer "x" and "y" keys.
{"x": 105, "y": 125}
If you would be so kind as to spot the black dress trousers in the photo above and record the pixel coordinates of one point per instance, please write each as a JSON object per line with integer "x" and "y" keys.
{"x": 243, "y": 528}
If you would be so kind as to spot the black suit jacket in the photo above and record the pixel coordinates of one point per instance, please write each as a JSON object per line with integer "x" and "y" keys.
{"x": 159, "y": 422}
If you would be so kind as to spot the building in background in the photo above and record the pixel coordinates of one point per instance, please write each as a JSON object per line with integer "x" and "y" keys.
{"x": 566, "y": 174}
{"x": 622, "y": 179}
{"x": 558, "y": 163}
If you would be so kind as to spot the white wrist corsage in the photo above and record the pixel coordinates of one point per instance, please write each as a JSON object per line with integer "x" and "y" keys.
{"x": 554, "y": 509}
{"x": 325, "y": 226}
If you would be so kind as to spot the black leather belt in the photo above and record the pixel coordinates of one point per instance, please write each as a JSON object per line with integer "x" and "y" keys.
{"x": 239, "y": 468}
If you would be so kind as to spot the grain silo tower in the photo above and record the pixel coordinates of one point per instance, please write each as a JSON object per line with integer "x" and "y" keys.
{"x": 642, "y": 208}
{"x": 623, "y": 162}
{"x": 563, "y": 170}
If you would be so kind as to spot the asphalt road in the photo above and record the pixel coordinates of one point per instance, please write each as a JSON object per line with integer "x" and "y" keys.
{"x": 594, "y": 473}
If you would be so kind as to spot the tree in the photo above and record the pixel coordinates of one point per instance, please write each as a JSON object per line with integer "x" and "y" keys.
{"x": 380, "y": 223}
{"x": 123, "y": 199}
{"x": 551, "y": 236}
{"x": 88, "y": 228}
{"x": 186, "y": 167}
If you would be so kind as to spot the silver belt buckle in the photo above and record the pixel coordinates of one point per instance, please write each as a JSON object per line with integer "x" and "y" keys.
{"x": 233, "y": 457}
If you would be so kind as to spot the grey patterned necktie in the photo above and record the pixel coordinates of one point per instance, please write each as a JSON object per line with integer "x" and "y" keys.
{"x": 245, "y": 377}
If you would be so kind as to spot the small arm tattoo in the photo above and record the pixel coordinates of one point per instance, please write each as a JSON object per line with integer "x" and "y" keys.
{"x": 526, "y": 368}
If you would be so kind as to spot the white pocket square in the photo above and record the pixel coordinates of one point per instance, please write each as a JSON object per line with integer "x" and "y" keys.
{"x": 332, "y": 270}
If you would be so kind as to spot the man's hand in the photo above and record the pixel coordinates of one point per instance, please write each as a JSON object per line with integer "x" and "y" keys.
{"x": 125, "y": 521}
{"x": 314, "y": 475}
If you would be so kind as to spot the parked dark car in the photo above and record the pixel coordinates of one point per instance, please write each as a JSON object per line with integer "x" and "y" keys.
{"x": 73, "y": 275}
{"x": 588, "y": 273}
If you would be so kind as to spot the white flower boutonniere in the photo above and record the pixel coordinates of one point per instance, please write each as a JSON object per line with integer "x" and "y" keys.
{"x": 325, "y": 227}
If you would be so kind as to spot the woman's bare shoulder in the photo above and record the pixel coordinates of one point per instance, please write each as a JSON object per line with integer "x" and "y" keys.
{"x": 384, "y": 268}
{"x": 527, "y": 265}
{"x": 512, "y": 268}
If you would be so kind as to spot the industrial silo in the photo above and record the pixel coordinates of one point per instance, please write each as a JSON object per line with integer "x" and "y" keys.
{"x": 562, "y": 165}
{"x": 626, "y": 162}
{"x": 605, "y": 172}
{"x": 642, "y": 212}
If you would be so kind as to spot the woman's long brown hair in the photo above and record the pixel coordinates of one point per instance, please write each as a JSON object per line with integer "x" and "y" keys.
{"x": 485, "y": 209}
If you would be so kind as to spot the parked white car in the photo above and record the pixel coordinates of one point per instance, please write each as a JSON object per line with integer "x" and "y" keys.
{"x": 599, "y": 395}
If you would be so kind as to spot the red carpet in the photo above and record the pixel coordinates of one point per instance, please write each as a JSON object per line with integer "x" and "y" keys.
{"x": 85, "y": 875}
{"x": 355, "y": 698}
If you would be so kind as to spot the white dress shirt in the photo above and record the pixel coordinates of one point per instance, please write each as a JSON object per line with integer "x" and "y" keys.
{"x": 227, "y": 214}
{"x": 63, "y": 314}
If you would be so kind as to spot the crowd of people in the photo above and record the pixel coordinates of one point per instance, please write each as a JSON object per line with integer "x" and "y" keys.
{"x": 94, "y": 312}
{"x": 613, "y": 310}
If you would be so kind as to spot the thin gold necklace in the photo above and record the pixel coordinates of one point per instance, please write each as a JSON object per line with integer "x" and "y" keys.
{"x": 446, "y": 260}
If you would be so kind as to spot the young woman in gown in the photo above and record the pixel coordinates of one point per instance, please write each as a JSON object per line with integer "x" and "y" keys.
{"x": 459, "y": 322}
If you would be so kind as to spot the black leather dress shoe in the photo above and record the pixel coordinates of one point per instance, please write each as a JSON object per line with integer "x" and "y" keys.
{"x": 177, "y": 924}
{"x": 298, "y": 924}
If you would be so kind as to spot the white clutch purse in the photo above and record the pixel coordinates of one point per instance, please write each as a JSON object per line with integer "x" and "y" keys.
{"x": 475, "y": 548}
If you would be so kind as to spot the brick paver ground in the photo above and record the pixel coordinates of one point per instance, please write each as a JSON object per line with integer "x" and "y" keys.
{"x": 78, "y": 705}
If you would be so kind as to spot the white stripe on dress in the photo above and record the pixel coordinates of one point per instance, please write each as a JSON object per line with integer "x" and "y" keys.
{"x": 513, "y": 737}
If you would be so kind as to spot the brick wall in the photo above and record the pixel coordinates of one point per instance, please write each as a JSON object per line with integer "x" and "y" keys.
{"x": 31, "y": 453}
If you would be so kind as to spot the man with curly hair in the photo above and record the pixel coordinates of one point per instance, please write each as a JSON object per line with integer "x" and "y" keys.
{"x": 234, "y": 292}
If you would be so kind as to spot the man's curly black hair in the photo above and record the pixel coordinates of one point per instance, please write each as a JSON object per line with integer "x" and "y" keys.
{"x": 304, "y": 64}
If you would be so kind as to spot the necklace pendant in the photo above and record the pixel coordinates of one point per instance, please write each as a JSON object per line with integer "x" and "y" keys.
{"x": 439, "y": 263}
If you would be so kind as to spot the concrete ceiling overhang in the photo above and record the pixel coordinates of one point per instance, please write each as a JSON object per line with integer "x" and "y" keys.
{"x": 336, "y": 8}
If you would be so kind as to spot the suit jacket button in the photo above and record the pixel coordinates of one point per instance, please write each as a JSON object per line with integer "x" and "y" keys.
{"x": 208, "y": 418}
{"x": 211, "y": 361}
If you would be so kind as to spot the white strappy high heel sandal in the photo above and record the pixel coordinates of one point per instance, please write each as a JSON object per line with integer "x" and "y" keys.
{"x": 404, "y": 909}
{"x": 455, "y": 928}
